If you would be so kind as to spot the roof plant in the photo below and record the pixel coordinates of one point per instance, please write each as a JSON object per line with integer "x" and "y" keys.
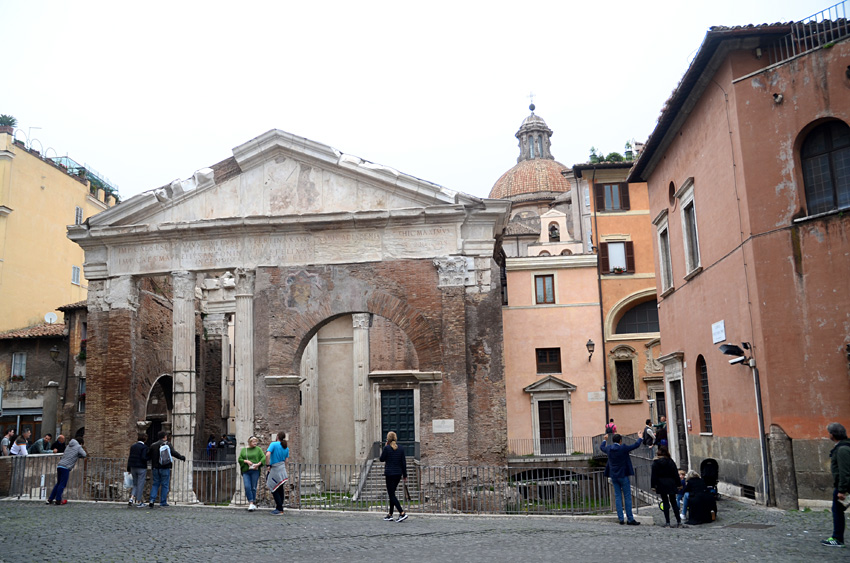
{"x": 8, "y": 120}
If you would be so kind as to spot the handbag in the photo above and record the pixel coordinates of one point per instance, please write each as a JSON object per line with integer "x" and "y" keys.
{"x": 128, "y": 480}
{"x": 406, "y": 492}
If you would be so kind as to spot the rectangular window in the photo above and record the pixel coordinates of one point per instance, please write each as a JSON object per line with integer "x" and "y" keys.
{"x": 617, "y": 257}
{"x": 625, "y": 380}
{"x": 665, "y": 267}
{"x": 75, "y": 275}
{"x": 548, "y": 360}
{"x": 78, "y": 216}
{"x": 81, "y": 396}
{"x": 690, "y": 233}
{"x": 612, "y": 197}
{"x": 19, "y": 365}
{"x": 544, "y": 289}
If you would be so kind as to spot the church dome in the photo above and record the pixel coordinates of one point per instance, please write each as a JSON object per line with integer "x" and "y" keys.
{"x": 531, "y": 176}
{"x": 536, "y": 170}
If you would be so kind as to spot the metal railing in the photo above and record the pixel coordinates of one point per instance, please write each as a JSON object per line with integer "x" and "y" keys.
{"x": 433, "y": 489}
{"x": 572, "y": 445}
{"x": 818, "y": 30}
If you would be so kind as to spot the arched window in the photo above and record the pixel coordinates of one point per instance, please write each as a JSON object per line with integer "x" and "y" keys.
{"x": 640, "y": 318}
{"x": 705, "y": 400}
{"x": 566, "y": 252}
{"x": 554, "y": 233}
{"x": 826, "y": 167}
{"x": 530, "y": 146}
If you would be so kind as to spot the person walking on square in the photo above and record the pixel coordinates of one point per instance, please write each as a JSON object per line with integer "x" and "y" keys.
{"x": 161, "y": 454}
{"x": 619, "y": 468}
{"x": 250, "y": 461}
{"x": 276, "y": 456}
{"x": 395, "y": 469}
{"x": 665, "y": 481}
{"x": 73, "y": 452}
{"x": 137, "y": 466}
{"x": 839, "y": 463}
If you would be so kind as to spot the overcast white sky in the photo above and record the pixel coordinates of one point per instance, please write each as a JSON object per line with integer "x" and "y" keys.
{"x": 147, "y": 92}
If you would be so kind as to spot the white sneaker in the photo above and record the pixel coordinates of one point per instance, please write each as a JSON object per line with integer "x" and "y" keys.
{"x": 252, "y": 507}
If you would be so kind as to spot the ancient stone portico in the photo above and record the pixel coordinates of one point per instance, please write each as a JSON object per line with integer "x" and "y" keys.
{"x": 293, "y": 287}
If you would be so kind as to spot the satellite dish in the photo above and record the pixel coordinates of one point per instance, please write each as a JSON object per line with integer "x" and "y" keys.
{"x": 50, "y": 318}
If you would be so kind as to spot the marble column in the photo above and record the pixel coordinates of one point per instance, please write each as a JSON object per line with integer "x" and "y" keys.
{"x": 184, "y": 391}
{"x": 360, "y": 356}
{"x": 244, "y": 363}
{"x": 310, "y": 403}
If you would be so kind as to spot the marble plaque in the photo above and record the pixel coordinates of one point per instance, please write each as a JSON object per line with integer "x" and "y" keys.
{"x": 595, "y": 396}
{"x": 445, "y": 426}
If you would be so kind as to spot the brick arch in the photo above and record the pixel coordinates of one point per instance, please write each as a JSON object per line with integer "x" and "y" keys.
{"x": 412, "y": 322}
{"x": 311, "y": 297}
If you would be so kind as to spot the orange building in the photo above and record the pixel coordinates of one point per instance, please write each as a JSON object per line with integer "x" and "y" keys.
{"x": 553, "y": 317}
{"x": 749, "y": 187}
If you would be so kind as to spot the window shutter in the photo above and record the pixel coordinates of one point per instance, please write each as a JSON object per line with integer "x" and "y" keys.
{"x": 599, "y": 194}
{"x": 630, "y": 257}
{"x": 603, "y": 257}
{"x": 624, "y": 196}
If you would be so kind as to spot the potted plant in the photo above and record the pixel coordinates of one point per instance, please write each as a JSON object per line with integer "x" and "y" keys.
{"x": 7, "y": 124}
{"x": 618, "y": 270}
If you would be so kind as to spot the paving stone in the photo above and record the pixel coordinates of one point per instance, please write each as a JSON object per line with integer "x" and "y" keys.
{"x": 87, "y": 531}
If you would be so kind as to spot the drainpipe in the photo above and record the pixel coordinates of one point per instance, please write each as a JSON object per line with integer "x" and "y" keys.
{"x": 599, "y": 289}
{"x": 762, "y": 442}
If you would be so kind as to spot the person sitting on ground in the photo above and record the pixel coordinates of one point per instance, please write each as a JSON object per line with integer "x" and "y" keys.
{"x": 699, "y": 503}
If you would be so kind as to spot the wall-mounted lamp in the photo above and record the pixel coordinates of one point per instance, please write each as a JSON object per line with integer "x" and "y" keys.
{"x": 777, "y": 98}
{"x": 590, "y": 348}
{"x": 54, "y": 355}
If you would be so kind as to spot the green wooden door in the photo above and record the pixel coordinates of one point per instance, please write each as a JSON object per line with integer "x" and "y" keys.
{"x": 397, "y": 416}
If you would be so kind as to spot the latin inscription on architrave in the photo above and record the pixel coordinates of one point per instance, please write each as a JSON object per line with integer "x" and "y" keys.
{"x": 326, "y": 247}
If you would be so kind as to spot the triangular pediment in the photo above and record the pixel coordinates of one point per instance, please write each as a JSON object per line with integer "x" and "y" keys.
{"x": 550, "y": 383}
{"x": 279, "y": 174}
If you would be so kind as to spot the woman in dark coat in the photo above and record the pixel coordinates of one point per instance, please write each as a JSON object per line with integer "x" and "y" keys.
{"x": 665, "y": 481}
{"x": 699, "y": 501}
{"x": 395, "y": 469}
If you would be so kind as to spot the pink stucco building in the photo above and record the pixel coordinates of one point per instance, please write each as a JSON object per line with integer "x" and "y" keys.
{"x": 748, "y": 172}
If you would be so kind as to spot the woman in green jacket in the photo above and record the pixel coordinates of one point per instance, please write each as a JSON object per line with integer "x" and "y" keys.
{"x": 250, "y": 461}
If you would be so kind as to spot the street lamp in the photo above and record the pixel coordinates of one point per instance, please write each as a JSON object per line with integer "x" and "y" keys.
{"x": 742, "y": 359}
{"x": 590, "y": 348}
{"x": 54, "y": 353}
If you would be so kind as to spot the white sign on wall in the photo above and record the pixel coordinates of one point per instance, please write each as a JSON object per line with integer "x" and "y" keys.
{"x": 718, "y": 332}
{"x": 595, "y": 395}
{"x": 446, "y": 426}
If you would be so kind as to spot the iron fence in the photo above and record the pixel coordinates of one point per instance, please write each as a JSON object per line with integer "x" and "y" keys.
{"x": 818, "y": 30}
{"x": 573, "y": 445}
{"x": 432, "y": 489}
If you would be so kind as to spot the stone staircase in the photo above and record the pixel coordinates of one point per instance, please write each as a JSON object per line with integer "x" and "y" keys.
{"x": 374, "y": 486}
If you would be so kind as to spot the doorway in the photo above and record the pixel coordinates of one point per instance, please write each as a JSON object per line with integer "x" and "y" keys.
{"x": 553, "y": 428}
{"x": 681, "y": 435}
{"x": 397, "y": 415}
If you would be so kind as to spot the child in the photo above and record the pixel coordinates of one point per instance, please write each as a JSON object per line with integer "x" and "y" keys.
{"x": 681, "y": 494}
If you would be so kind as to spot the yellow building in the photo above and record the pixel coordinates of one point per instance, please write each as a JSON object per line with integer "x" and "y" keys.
{"x": 40, "y": 269}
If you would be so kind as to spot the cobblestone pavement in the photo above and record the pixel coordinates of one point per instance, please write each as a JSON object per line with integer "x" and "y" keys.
{"x": 85, "y": 531}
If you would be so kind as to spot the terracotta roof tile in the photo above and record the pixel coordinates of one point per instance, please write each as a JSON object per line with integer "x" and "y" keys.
{"x": 38, "y": 331}
{"x": 73, "y": 306}
{"x": 530, "y": 176}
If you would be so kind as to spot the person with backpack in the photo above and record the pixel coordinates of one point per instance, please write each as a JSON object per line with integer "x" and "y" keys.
{"x": 610, "y": 428}
{"x": 162, "y": 454}
{"x": 648, "y": 434}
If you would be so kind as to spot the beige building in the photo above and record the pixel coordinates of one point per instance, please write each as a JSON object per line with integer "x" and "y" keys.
{"x": 40, "y": 269}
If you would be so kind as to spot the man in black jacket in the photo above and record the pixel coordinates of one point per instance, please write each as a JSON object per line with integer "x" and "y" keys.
{"x": 137, "y": 466}
{"x": 161, "y": 471}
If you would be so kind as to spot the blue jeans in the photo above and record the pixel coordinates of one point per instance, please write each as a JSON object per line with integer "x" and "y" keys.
{"x": 250, "y": 479}
{"x": 685, "y": 503}
{"x": 161, "y": 477}
{"x": 61, "y": 481}
{"x": 837, "y": 517}
{"x": 623, "y": 489}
